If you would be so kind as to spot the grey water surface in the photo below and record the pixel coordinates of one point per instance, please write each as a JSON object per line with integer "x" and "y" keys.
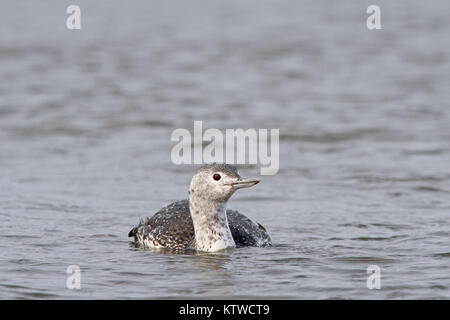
{"x": 364, "y": 116}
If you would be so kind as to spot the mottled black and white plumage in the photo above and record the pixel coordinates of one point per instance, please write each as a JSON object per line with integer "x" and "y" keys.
{"x": 203, "y": 223}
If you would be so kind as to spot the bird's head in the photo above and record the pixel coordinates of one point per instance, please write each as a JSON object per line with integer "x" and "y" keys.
{"x": 217, "y": 182}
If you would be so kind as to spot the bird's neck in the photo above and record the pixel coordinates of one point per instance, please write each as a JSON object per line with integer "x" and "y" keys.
{"x": 212, "y": 232}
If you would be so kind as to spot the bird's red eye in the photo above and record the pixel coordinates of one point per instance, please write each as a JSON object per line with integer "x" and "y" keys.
{"x": 217, "y": 177}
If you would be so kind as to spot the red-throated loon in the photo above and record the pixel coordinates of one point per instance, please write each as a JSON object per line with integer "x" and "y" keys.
{"x": 203, "y": 222}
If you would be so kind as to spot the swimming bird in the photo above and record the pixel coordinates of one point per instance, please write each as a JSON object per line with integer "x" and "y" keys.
{"x": 203, "y": 222}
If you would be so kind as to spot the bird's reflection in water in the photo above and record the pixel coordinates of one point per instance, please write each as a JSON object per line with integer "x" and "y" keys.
{"x": 216, "y": 261}
{"x": 213, "y": 261}
{"x": 214, "y": 273}
{"x": 207, "y": 267}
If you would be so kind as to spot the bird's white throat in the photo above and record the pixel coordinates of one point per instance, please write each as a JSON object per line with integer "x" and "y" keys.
{"x": 212, "y": 232}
